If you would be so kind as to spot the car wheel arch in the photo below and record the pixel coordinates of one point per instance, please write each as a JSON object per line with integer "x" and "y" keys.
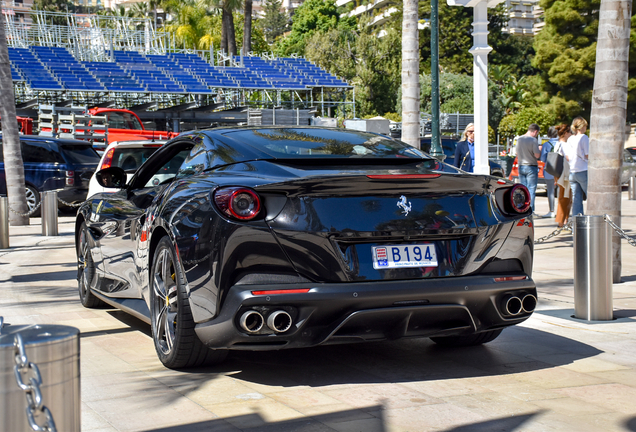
{"x": 157, "y": 234}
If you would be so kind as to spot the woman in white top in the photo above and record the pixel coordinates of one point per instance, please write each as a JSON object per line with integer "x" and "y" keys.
{"x": 576, "y": 152}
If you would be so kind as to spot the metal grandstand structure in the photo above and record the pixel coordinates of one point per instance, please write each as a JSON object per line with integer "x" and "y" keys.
{"x": 62, "y": 57}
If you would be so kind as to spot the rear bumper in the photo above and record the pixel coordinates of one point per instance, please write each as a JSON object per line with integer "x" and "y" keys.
{"x": 367, "y": 311}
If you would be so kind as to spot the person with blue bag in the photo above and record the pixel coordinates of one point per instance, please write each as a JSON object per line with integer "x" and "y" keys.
{"x": 549, "y": 178}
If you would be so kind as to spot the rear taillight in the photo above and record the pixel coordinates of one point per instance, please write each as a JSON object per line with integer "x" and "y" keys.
{"x": 108, "y": 159}
{"x": 519, "y": 198}
{"x": 402, "y": 176}
{"x": 70, "y": 178}
{"x": 238, "y": 202}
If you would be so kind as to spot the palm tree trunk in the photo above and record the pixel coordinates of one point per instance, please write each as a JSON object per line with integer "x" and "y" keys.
{"x": 410, "y": 75}
{"x": 247, "y": 27}
{"x": 231, "y": 34}
{"x": 13, "y": 167}
{"x": 224, "y": 30}
{"x": 607, "y": 121}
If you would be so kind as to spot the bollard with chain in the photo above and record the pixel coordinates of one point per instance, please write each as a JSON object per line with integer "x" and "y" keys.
{"x": 49, "y": 213}
{"x": 43, "y": 363}
{"x": 4, "y": 222}
{"x": 592, "y": 269}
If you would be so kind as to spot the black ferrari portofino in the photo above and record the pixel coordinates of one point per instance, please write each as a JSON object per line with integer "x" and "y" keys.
{"x": 265, "y": 238}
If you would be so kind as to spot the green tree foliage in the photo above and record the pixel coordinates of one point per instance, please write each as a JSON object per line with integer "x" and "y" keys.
{"x": 566, "y": 57}
{"x": 566, "y": 50}
{"x": 274, "y": 23}
{"x": 311, "y": 17}
{"x": 455, "y": 40}
{"x": 517, "y": 124}
{"x": 54, "y": 6}
{"x": 372, "y": 64}
{"x": 455, "y": 93}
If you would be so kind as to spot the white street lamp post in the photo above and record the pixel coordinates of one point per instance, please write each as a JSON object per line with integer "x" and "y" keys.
{"x": 480, "y": 52}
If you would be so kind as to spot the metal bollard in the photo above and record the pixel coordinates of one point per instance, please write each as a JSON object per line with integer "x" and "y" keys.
{"x": 592, "y": 269}
{"x": 4, "y": 222}
{"x": 49, "y": 213}
{"x": 53, "y": 350}
{"x": 631, "y": 193}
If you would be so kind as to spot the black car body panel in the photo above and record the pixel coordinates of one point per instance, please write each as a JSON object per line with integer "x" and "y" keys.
{"x": 321, "y": 218}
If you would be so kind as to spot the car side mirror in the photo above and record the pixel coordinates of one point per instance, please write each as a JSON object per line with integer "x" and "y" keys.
{"x": 113, "y": 177}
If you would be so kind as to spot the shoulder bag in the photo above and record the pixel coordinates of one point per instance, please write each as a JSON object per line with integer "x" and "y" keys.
{"x": 554, "y": 164}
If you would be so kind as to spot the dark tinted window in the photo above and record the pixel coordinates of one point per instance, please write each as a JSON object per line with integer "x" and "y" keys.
{"x": 79, "y": 154}
{"x": 123, "y": 121}
{"x": 129, "y": 159}
{"x": 39, "y": 152}
{"x": 308, "y": 143}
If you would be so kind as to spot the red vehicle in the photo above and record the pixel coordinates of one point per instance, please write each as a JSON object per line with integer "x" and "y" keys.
{"x": 25, "y": 125}
{"x": 125, "y": 125}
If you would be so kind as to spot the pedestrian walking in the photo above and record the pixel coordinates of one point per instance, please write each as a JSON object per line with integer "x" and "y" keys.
{"x": 465, "y": 150}
{"x": 576, "y": 152}
{"x": 549, "y": 178}
{"x": 528, "y": 154}
{"x": 564, "y": 200}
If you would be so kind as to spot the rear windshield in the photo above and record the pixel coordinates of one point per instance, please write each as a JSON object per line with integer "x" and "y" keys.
{"x": 119, "y": 120}
{"x": 80, "y": 154}
{"x": 307, "y": 143}
{"x": 129, "y": 159}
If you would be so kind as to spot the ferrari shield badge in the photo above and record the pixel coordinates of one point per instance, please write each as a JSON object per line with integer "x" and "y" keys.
{"x": 404, "y": 205}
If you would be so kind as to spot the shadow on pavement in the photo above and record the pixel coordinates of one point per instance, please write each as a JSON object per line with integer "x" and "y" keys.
{"x": 45, "y": 276}
{"x": 255, "y": 422}
{"x": 517, "y": 350}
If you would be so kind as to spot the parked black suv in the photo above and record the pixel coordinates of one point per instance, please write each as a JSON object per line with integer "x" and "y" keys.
{"x": 64, "y": 165}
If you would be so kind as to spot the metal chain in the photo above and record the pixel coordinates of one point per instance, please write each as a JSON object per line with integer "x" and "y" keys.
{"x": 69, "y": 204}
{"x": 555, "y": 233}
{"x": 619, "y": 231}
{"x": 32, "y": 390}
{"x": 29, "y": 213}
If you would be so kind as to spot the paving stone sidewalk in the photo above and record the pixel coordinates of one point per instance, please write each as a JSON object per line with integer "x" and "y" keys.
{"x": 552, "y": 373}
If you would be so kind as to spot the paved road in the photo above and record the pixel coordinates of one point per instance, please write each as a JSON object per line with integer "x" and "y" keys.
{"x": 553, "y": 373}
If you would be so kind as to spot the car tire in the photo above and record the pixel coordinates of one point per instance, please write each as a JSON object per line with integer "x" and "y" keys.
{"x": 471, "y": 340}
{"x": 175, "y": 340}
{"x": 32, "y": 199}
{"x": 86, "y": 270}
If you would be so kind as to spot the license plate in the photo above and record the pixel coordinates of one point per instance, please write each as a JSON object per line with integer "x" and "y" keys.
{"x": 399, "y": 256}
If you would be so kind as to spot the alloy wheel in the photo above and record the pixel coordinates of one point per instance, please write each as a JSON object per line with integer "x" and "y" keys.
{"x": 165, "y": 301}
{"x": 31, "y": 198}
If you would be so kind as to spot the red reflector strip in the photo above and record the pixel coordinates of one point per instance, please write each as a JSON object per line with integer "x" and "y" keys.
{"x": 501, "y": 181}
{"x": 289, "y": 291}
{"x": 402, "y": 176}
{"x": 510, "y": 278}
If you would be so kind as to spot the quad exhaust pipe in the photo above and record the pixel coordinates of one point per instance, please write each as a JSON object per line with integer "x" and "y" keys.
{"x": 513, "y": 305}
{"x": 253, "y": 321}
{"x": 279, "y": 321}
{"x": 528, "y": 303}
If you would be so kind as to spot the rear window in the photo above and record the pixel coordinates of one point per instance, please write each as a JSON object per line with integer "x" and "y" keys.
{"x": 80, "y": 154}
{"x": 124, "y": 120}
{"x": 129, "y": 159}
{"x": 320, "y": 143}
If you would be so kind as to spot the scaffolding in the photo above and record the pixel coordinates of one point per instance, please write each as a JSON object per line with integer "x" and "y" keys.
{"x": 92, "y": 37}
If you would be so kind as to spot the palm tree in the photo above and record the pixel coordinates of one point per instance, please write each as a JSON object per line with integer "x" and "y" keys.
{"x": 607, "y": 120}
{"x": 13, "y": 167}
{"x": 195, "y": 22}
{"x": 228, "y": 35}
{"x": 247, "y": 27}
{"x": 410, "y": 75}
